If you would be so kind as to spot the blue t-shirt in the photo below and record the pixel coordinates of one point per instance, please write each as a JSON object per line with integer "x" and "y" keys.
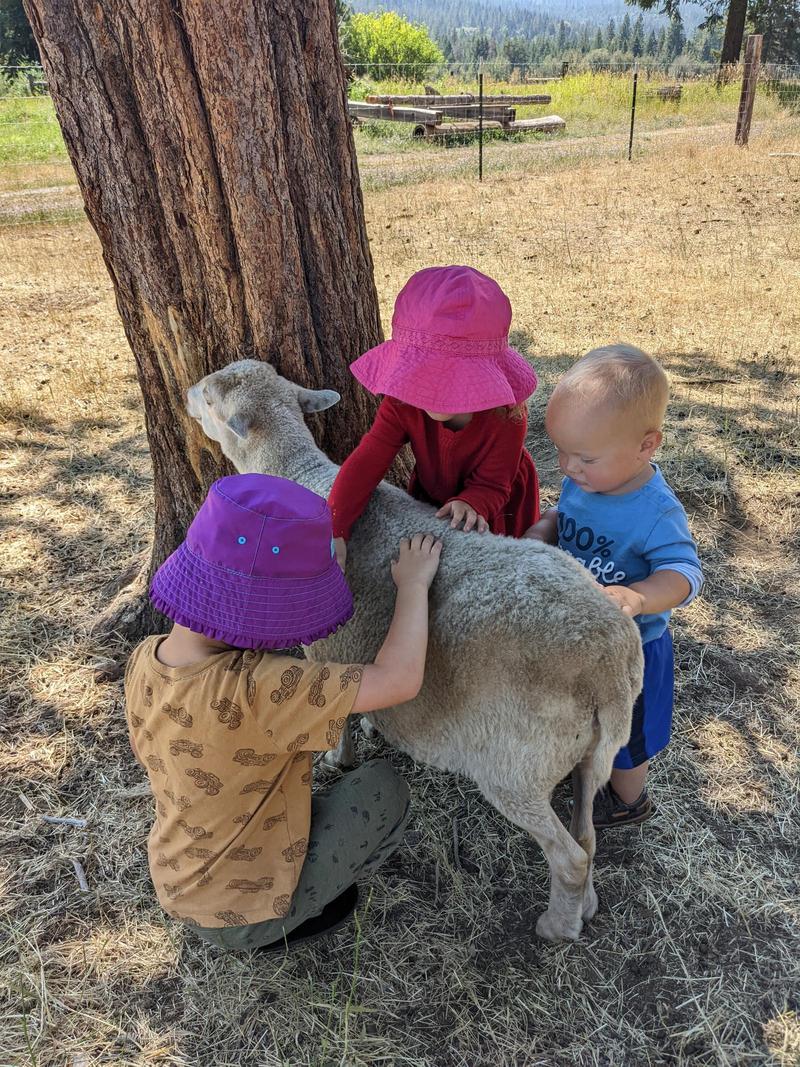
{"x": 622, "y": 539}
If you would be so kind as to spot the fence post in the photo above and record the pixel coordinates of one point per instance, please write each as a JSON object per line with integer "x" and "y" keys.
{"x": 480, "y": 126}
{"x": 752, "y": 62}
{"x": 633, "y": 109}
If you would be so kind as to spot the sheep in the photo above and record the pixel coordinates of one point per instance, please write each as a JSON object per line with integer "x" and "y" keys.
{"x": 532, "y": 672}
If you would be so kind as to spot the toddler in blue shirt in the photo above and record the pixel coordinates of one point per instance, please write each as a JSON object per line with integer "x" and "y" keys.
{"x": 619, "y": 518}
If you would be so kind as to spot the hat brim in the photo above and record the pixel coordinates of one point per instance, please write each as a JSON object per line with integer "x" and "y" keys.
{"x": 250, "y": 612}
{"x": 445, "y": 381}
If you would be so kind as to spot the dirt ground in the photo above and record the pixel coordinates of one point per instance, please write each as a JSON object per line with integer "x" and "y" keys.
{"x": 694, "y": 254}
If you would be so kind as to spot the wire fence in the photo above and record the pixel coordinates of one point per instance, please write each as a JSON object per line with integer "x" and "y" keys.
{"x": 480, "y": 120}
{"x": 414, "y": 123}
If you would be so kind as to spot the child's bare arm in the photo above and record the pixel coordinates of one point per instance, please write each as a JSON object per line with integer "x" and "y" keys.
{"x": 546, "y": 529}
{"x": 675, "y": 574}
{"x": 399, "y": 667}
{"x": 662, "y": 591}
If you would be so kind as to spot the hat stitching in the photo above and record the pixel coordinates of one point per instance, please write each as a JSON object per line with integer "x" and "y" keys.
{"x": 273, "y": 518}
{"x": 258, "y": 545}
{"x": 254, "y": 577}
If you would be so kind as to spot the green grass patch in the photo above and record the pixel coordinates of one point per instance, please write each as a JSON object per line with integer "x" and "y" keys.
{"x": 591, "y": 103}
{"x": 29, "y": 131}
{"x": 40, "y": 216}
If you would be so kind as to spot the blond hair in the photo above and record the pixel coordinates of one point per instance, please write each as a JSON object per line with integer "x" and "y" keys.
{"x": 622, "y": 377}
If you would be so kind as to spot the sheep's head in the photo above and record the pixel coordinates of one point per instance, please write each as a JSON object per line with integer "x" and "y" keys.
{"x": 249, "y": 399}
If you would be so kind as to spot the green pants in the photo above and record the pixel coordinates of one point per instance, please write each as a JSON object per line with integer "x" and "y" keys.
{"x": 355, "y": 826}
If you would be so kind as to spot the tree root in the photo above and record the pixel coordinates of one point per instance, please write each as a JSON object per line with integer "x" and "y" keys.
{"x": 130, "y": 616}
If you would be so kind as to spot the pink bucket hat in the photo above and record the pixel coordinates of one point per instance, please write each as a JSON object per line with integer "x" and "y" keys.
{"x": 257, "y": 568}
{"x": 449, "y": 350}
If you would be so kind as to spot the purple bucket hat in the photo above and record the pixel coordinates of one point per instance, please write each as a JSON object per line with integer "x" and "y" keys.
{"x": 257, "y": 568}
{"x": 449, "y": 349}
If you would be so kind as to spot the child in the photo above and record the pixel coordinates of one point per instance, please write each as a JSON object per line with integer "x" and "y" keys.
{"x": 617, "y": 515}
{"x": 226, "y": 725}
{"x": 456, "y": 391}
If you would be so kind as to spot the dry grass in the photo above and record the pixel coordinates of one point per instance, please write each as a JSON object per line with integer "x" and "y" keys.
{"x": 692, "y": 959}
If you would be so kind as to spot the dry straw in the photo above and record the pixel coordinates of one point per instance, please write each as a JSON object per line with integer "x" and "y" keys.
{"x": 692, "y": 960}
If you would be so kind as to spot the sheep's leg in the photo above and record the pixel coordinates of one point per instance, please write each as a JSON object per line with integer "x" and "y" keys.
{"x": 343, "y": 757}
{"x": 584, "y": 787}
{"x": 569, "y": 864}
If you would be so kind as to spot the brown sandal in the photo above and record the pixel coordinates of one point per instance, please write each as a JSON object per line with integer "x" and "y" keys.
{"x": 608, "y": 810}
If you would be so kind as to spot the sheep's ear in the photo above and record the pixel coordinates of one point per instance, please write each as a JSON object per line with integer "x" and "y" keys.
{"x": 239, "y": 426}
{"x": 317, "y": 399}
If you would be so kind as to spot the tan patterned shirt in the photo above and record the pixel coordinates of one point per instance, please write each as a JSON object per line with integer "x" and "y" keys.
{"x": 227, "y": 744}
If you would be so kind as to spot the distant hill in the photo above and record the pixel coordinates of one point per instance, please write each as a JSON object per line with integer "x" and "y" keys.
{"x": 512, "y": 18}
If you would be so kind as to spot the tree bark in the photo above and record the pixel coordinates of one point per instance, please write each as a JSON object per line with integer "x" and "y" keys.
{"x": 213, "y": 150}
{"x": 734, "y": 33}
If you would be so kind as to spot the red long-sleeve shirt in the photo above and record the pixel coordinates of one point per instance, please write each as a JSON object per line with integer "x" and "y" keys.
{"x": 484, "y": 464}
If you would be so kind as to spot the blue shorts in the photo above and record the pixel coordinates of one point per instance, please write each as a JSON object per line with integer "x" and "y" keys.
{"x": 652, "y": 712}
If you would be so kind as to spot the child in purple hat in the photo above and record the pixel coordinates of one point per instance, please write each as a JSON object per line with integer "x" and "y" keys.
{"x": 455, "y": 390}
{"x": 225, "y": 723}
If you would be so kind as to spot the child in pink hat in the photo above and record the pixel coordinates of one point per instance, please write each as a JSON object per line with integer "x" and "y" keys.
{"x": 455, "y": 390}
{"x": 225, "y": 723}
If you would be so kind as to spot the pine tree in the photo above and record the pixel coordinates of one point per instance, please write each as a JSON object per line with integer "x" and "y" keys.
{"x": 480, "y": 47}
{"x": 674, "y": 40}
{"x": 637, "y": 40}
{"x": 651, "y": 48}
{"x": 779, "y": 21}
{"x": 624, "y": 42}
{"x": 515, "y": 50}
{"x": 598, "y": 38}
{"x": 611, "y": 34}
{"x": 16, "y": 38}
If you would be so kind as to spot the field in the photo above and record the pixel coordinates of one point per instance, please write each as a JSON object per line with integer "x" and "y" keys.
{"x": 692, "y": 252}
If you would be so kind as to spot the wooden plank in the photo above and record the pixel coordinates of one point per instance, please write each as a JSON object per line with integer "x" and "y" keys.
{"x": 423, "y": 101}
{"x": 444, "y": 130}
{"x": 493, "y": 113}
{"x": 441, "y": 102}
{"x": 519, "y": 101}
{"x": 547, "y": 124}
{"x": 385, "y": 113}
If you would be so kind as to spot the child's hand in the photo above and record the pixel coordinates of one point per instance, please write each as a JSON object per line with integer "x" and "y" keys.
{"x": 418, "y": 561}
{"x": 462, "y": 512}
{"x": 628, "y": 600}
{"x": 340, "y": 548}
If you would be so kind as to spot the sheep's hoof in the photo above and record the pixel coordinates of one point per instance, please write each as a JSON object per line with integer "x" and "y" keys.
{"x": 332, "y": 759}
{"x": 589, "y": 904}
{"x": 555, "y": 928}
{"x": 368, "y": 728}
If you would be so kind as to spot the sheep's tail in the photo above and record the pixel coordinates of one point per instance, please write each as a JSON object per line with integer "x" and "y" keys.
{"x": 600, "y": 753}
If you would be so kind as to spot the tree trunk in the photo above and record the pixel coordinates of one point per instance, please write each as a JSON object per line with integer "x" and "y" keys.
{"x": 734, "y": 33}
{"x": 215, "y": 157}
